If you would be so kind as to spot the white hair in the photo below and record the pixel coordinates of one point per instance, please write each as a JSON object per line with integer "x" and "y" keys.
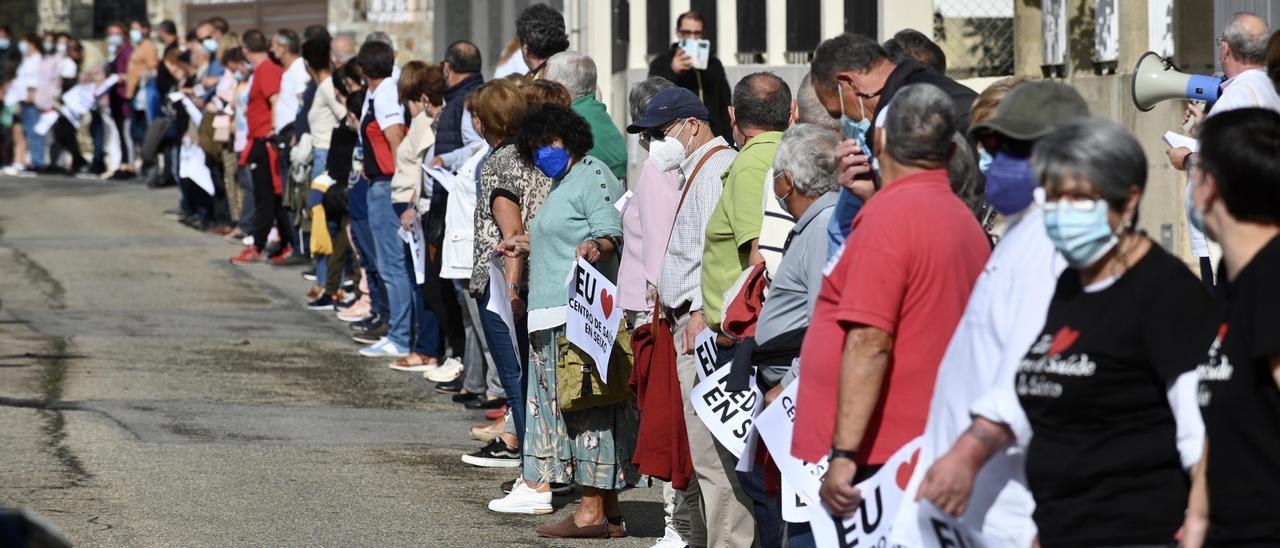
{"x": 574, "y": 70}
{"x": 808, "y": 153}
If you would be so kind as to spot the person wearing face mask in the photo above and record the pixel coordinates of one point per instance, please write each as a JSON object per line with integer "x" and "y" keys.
{"x": 590, "y": 447}
{"x": 854, "y": 78}
{"x": 888, "y": 303}
{"x": 1108, "y": 386}
{"x": 119, "y": 51}
{"x": 1234, "y": 201}
{"x": 1001, "y": 320}
{"x": 681, "y": 140}
{"x": 23, "y": 94}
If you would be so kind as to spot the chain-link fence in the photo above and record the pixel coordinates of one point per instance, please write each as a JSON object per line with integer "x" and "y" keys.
{"x": 976, "y": 35}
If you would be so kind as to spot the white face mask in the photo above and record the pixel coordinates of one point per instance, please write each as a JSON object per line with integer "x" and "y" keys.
{"x": 668, "y": 153}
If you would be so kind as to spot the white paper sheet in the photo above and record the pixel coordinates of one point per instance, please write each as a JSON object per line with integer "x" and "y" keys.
{"x": 728, "y": 415}
{"x": 593, "y": 315}
{"x": 191, "y": 166}
{"x": 498, "y": 302}
{"x": 417, "y": 250}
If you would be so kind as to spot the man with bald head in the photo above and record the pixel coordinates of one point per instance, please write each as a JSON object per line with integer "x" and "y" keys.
{"x": 341, "y": 50}
{"x": 1242, "y": 52}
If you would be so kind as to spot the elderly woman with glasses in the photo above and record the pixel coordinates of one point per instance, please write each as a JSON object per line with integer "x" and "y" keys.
{"x": 1109, "y": 385}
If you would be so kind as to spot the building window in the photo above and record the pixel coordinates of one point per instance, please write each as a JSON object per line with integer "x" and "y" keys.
{"x": 803, "y": 30}
{"x": 752, "y": 32}
{"x": 658, "y": 27}
{"x": 861, "y": 17}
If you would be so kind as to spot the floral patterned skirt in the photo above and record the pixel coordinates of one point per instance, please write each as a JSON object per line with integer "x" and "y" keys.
{"x": 591, "y": 448}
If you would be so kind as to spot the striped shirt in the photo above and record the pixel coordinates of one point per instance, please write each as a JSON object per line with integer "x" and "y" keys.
{"x": 775, "y": 230}
{"x": 681, "y": 279}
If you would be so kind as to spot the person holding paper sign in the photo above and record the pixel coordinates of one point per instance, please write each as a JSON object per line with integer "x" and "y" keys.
{"x": 591, "y": 447}
{"x": 889, "y": 302}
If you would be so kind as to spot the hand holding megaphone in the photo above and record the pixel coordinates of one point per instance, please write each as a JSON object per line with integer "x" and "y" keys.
{"x": 1193, "y": 116}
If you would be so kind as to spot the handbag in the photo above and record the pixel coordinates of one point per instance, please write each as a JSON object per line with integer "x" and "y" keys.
{"x": 578, "y": 383}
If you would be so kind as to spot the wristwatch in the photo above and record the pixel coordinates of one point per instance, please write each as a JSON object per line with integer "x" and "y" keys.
{"x": 842, "y": 454}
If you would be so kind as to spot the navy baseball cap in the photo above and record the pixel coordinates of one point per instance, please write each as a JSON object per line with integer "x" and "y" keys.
{"x": 670, "y": 104}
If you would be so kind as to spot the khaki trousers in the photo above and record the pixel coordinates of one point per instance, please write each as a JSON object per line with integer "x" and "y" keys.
{"x": 727, "y": 508}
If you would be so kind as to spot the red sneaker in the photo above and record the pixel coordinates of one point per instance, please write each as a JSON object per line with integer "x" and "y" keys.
{"x": 250, "y": 255}
{"x": 495, "y": 414}
{"x": 283, "y": 255}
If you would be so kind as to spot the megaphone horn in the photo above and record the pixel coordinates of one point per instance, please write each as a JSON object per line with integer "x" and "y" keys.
{"x": 1155, "y": 80}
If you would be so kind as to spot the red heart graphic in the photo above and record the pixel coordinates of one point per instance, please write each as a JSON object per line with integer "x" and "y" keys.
{"x": 906, "y": 469}
{"x": 606, "y": 303}
{"x": 1063, "y": 340}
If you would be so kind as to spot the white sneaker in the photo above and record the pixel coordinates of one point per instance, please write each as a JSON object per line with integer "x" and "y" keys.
{"x": 449, "y": 371}
{"x": 671, "y": 540}
{"x": 11, "y": 170}
{"x": 522, "y": 500}
{"x": 384, "y": 348}
{"x": 247, "y": 240}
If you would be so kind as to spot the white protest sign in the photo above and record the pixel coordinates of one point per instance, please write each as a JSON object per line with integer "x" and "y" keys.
{"x": 728, "y": 415}
{"x": 704, "y": 351}
{"x": 800, "y": 480}
{"x": 623, "y": 201}
{"x": 592, "y": 322}
{"x": 191, "y": 166}
{"x": 45, "y": 123}
{"x": 498, "y": 302}
{"x": 418, "y": 251}
{"x": 939, "y": 529}
{"x": 881, "y": 496}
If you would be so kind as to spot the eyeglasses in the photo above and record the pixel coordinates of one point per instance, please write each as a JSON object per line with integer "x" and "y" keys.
{"x": 687, "y": 33}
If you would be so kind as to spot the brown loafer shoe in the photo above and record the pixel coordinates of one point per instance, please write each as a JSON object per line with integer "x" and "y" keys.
{"x": 566, "y": 528}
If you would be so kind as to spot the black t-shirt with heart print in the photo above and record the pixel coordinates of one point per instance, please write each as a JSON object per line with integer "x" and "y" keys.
{"x": 1103, "y": 462}
{"x": 1241, "y": 408}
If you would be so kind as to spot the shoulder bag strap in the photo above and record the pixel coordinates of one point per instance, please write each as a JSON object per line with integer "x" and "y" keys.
{"x": 689, "y": 182}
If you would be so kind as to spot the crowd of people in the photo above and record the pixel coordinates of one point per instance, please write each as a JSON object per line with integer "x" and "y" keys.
{"x": 920, "y": 259}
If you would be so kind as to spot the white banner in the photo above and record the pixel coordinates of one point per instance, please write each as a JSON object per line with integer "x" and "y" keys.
{"x": 728, "y": 415}
{"x": 704, "y": 351}
{"x": 800, "y": 480}
{"x": 881, "y": 496}
{"x": 418, "y": 250}
{"x": 498, "y": 302}
{"x": 191, "y": 166}
{"x": 592, "y": 322}
{"x": 939, "y": 529}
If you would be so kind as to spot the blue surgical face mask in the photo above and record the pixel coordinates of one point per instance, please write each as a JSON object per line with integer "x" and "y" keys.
{"x": 1079, "y": 230}
{"x": 552, "y": 161}
{"x": 1011, "y": 184}
{"x": 210, "y": 45}
{"x": 114, "y": 39}
{"x": 135, "y": 36}
{"x": 984, "y": 160}
{"x": 851, "y": 129}
{"x": 238, "y": 75}
{"x": 24, "y": 47}
{"x": 4, "y": 43}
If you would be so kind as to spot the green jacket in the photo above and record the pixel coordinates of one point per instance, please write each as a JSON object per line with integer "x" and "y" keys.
{"x": 609, "y": 146}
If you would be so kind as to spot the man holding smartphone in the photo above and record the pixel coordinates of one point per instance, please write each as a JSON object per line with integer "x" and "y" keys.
{"x": 685, "y": 68}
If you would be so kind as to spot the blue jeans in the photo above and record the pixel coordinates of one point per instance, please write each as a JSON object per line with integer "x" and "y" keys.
{"x": 35, "y": 141}
{"x": 319, "y": 158}
{"x": 512, "y": 368}
{"x": 403, "y": 293}
{"x": 363, "y": 241}
{"x": 768, "y": 511}
{"x": 322, "y": 261}
{"x": 800, "y": 535}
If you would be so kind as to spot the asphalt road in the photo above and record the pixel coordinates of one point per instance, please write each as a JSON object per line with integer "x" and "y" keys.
{"x": 151, "y": 394}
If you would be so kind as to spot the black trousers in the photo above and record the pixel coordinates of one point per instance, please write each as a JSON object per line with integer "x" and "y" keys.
{"x": 64, "y": 138}
{"x": 268, "y": 209}
{"x": 443, "y": 302}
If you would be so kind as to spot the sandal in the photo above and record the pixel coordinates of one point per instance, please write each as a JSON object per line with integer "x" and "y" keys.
{"x": 415, "y": 362}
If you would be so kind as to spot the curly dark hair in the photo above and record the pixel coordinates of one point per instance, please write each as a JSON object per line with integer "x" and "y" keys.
{"x": 549, "y": 122}
{"x": 541, "y": 28}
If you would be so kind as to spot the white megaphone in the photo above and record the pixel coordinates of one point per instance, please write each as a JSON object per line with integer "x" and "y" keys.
{"x": 1155, "y": 80}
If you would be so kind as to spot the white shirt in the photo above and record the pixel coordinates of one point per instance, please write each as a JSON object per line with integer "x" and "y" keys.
{"x": 1005, "y": 314}
{"x": 27, "y": 77}
{"x": 292, "y": 84}
{"x": 1249, "y": 89}
{"x": 513, "y": 65}
{"x": 459, "y": 218}
{"x": 325, "y": 114}
{"x": 67, "y": 68}
{"x": 386, "y": 103}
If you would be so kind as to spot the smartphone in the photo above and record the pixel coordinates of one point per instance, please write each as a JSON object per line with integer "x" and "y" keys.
{"x": 697, "y": 50}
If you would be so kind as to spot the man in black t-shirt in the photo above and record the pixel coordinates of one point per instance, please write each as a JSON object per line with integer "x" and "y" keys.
{"x": 1235, "y": 196}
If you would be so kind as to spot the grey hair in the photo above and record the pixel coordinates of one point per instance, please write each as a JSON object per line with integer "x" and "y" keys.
{"x": 1246, "y": 46}
{"x": 919, "y": 126}
{"x": 643, "y": 92}
{"x": 1096, "y": 150}
{"x": 808, "y": 153}
{"x": 379, "y": 36}
{"x": 962, "y": 171}
{"x": 574, "y": 70}
{"x": 809, "y": 109}
{"x": 846, "y": 52}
